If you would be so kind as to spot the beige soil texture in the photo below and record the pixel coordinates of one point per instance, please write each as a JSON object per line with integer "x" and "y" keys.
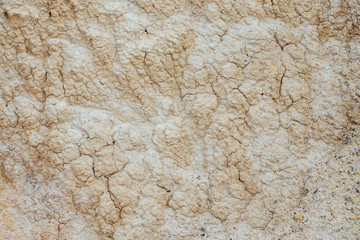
{"x": 188, "y": 119}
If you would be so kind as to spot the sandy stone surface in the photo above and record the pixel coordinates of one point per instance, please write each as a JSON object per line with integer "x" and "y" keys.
{"x": 188, "y": 119}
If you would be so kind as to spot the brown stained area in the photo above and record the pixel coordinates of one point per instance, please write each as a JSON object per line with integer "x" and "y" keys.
{"x": 178, "y": 119}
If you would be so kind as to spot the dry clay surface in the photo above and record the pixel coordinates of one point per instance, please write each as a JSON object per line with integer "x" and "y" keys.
{"x": 188, "y": 119}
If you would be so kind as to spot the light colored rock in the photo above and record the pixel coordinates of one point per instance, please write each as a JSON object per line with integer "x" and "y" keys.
{"x": 149, "y": 119}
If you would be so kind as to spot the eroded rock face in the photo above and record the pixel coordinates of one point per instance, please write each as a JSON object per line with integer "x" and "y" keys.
{"x": 159, "y": 119}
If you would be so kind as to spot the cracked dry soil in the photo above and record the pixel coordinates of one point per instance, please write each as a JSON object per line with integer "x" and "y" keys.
{"x": 189, "y": 119}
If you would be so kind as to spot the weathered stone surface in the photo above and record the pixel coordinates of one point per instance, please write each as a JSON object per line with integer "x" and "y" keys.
{"x": 159, "y": 119}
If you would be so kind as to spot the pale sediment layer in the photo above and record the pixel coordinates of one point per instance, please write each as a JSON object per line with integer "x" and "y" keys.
{"x": 190, "y": 119}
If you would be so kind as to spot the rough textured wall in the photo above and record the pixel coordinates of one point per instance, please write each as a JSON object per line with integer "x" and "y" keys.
{"x": 189, "y": 119}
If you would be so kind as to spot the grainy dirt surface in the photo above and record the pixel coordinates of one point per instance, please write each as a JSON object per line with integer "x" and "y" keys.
{"x": 189, "y": 119}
